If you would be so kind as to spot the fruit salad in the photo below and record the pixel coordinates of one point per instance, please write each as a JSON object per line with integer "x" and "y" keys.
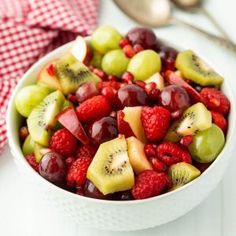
{"x": 123, "y": 117}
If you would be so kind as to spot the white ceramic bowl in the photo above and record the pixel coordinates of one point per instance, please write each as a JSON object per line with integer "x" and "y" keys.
{"x": 114, "y": 215}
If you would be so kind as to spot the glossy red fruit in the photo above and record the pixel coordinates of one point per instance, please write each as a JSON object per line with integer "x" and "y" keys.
{"x": 174, "y": 98}
{"x": 69, "y": 161}
{"x": 158, "y": 165}
{"x": 72, "y": 98}
{"x": 51, "y": 70}
{"x": 150, "y": 150}
{"x": 53, "y": 168}
{"x": 127, "y": 77}
{"x": 32, "y": 161}
{"x": 132, "y": 95}
{"x": 140, "y": 83}
{"x": 138, "y": 48}
{"x": 186, "y": 140}
{"x": 123, "y": 126}
{"x": 174, "y": 78}
{"x": 154, "y": 95}
{"x": 123, "y": 42}
{"x": 176, "y": 115}
{"x": 219, "y": 120}
{"x": 103, "y": 130}
{"x": 85, "y": 91}
{"x": 70, "y": 121}
{"x": 23, "y": 133}
{"x": 100, "y": 73}
{"x": 168, "y": 56}
{"x": 109, "y": 93}
{"x": 112, "y": 78}
{"x": 128, "y": 51}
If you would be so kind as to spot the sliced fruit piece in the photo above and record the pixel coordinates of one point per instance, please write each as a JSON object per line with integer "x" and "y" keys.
{"x": 171, "y": 134}
{"x": 182, "y": 173}
{"x": 81, "y": 50}
{"x": 28, "y": 146}
{"x": 137, "y": 157}
{"x": 195, "y": 118}
{"x": 123, "y": 126}
{"x": 96, "y": 59}
{"x": 175, "y": 78}
{"x": 110, "y": 170}
{"x": 132, "y": 115}
{"x": 72, "y": 73}
{"x": 207, "y": 144}
{"x": 70, "y": 121}
{"x": 157, "y": 79}
{"x": 42, "y": 118}
{"x": 47, "y": 77}
{"x": 195, "y": 69}
{"x": 67, "y": 104}
{"x": 29, "y": 97}
{"x": 144, "y": 64}
{"x": 37, "y": 152}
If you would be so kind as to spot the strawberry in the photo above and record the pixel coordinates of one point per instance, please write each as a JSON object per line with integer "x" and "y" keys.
{"x": 76, "y": 175}
{"x": 155, "y": 122}
{"x": 219, "y": 120}
{"x": 171, "y": 153}
{"x": 93, "y": 109}
{"x": 149, "y": 184}
{"x": 215, "y": 100}
{"x": 63, "y": 142}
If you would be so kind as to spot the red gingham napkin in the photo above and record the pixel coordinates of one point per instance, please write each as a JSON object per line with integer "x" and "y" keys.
{"x": 31, "y": 28}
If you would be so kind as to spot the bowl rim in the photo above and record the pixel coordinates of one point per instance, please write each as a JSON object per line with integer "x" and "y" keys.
{"x": 16, "y": 149}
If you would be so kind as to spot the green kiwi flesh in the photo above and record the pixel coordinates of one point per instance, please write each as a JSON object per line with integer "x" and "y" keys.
{"x": 72, "y": 73}
{"x": 28, "y": 146}
{"x": 110, "y": 170}
{"x": 182, "y": 173}
{"x": 195, "y": 69}
{"x": 42, "y": 119}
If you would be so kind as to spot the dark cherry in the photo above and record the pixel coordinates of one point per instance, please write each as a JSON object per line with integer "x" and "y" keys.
{"x": 132, "y": 95}
{"x": 144, "y": 37}
{"x": 174, "y": 98}
{"x": 53, "y": 168}
{"x": 91, "y": 191}
{"x": 85, "y": 91}
{"x": 168, "y": 56}
{"x": 103, "y": 130}
{"x": 123, "y": 196}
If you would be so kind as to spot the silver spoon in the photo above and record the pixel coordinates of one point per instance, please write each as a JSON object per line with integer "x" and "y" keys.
{"x": 196, "y": 6}
{"x": 157, "y": 13}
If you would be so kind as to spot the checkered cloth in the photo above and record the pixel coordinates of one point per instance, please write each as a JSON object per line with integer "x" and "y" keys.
{"x": 31, "y": 28}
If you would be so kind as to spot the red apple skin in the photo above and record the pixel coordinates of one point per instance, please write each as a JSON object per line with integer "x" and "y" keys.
{"x": 70, "y": 121}
{"x": 123, "y": 126}
{"x": 173, "y": 78}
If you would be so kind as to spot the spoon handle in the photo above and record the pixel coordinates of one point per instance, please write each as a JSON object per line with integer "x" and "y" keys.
{"x": 222, "y": 41}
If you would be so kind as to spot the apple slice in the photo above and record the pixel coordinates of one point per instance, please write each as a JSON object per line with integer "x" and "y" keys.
{"x": 70, "y": 121}
{"x": 132, "y": 115}
{"x": 123, "y": 126}
{"x": 137, "y": 157}
{"x": 48, "y": 78}
{"x": 81, "y": 50}
{"x": 157, "y": 79}
{"x": 175, "y": 78}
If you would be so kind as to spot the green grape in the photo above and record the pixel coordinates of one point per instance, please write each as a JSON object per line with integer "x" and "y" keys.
{"x": 207, "y": 144}
{"x": 105, "y": 38}
{"x": 96, "y": 60}
{"x": 28, "y": 146}
{"x": 144, "y": 64}
{"x": 29, "y": 97}
{"x": 115, "y": 62}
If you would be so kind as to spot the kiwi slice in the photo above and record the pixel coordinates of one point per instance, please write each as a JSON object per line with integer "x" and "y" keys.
{"x": 182, "y": 173}
{"x": 195, "y": 69}
{"x": 110, "y": 170}
{"x": 73, "y": 73}
{"x": 42, "y": 119}
{"x": 195, "y": 118}
{"x": 172, "y": 134}
{"x": 28, "y": 146}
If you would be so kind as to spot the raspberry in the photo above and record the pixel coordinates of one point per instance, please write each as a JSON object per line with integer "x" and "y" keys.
{"x": 32, "y": 161}
{"x": 186, "y": 140}
{"x": 171, "y": 153}
{"x": 215, "y": 100}
{"x": 155, "y": 122}
{"x": 149, "y": 184}
{"x": 219, "y": 120}
{"x": 87, "y": 151}
{"x": 63, "y": 142}
{"x": 93, "y": 109}
{"x": 150, "y": 150}
{"x": 158, "y": 165}
{"x": 77, "y": 172}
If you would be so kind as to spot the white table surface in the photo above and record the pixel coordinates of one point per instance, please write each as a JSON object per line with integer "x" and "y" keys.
{"x": 22, "y": 215}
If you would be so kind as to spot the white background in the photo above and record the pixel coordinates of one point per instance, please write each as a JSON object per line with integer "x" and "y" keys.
{"x": 22, "y": 215}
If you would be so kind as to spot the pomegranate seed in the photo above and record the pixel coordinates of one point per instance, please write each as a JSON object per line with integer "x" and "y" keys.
{"x": 112, "y": 78}
{"x": 113, "y": 114}
{"x": 69, "y": 161}
{"x": 140, "y": 83}
{"x": 186, "y": 140}
{"x": 80, "y": 190}
{"x": 128, "y": 51}
{"x": 72, "y": 98}
{"x": 154, "y": 95}
{"x": 115, "y": 85}
{"x": 51, "y": 70}
{"x": 150, "y": 86}
{"x": 100, "y": 73}
{"x": 91, "y": 67}
{"x": 158, "y": 165}
{"x": 149, "y": 150}
{"x": 24, "y": 132}
{"x": 127, "y": 77}
{"x": 138, "y": 48}
{"x": 176, "y": 114}
{"x": 123, "y": 42}
{"x": 109, "y": 93}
